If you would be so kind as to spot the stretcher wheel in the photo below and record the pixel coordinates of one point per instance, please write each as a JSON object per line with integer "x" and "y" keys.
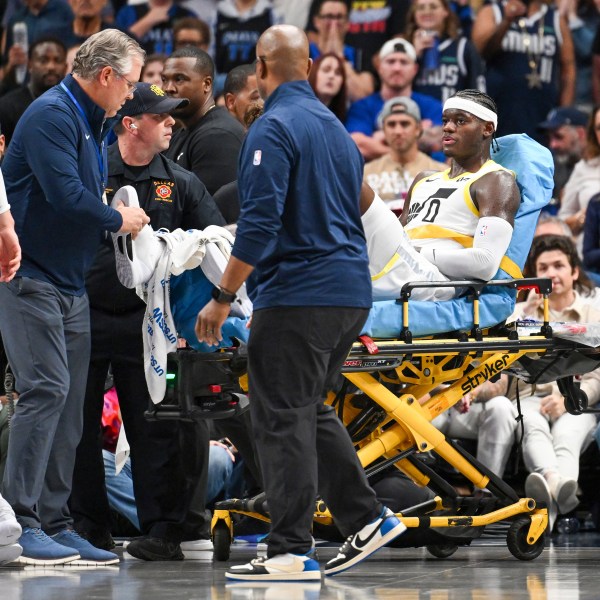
{"x": 516, "y": 540}
{"x": 442, "y": 550}
{"x": 221, "y": 537}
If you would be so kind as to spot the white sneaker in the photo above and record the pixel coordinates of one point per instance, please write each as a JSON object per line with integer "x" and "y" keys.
{"x": 565, "y": 495}
{"x": 283, "y": 567}
{"x": 197, "y": 545}
{"x": 193, "y": 549}
{"x": 366, "y": 541}
{"x": 537, "y": 487}
{"x": 136, "y": 259}
{"x": 197, "y": 549}
{"x": 10, "y": 530}
{"x": 10, "y": 553}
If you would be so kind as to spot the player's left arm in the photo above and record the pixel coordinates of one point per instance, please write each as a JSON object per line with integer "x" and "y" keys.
{"x": 497, "y": 197}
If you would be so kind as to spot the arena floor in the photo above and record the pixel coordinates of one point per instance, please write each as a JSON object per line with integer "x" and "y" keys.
{"x": 568, "y": 569}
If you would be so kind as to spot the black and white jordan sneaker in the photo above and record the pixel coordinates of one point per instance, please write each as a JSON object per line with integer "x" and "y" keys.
{"x": 283, "y": 567}
{"x": 365, "y": 542}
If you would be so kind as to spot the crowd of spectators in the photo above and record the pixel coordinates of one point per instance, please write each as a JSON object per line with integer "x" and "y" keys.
{"x": 384, "y": 68}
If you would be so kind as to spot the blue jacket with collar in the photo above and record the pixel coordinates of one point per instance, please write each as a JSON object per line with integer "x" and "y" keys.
{"x": 300, "y": 176}
{"x": 54, "y": 185}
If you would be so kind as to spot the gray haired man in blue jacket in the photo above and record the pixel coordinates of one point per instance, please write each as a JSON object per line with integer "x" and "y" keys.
{"x": 55, "y": 172}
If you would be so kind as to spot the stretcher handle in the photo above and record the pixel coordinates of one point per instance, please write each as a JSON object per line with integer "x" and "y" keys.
{"x": 475, "y": 287}
{"x": 543, "y": 285}
{"x": 407, "y": 288}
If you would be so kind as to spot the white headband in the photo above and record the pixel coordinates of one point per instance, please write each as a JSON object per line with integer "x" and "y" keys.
{"x": 472, "y": 107}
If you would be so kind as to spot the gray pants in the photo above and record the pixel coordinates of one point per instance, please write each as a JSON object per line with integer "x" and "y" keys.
{"x": 4, "y": 424}
{"x": 554, "y": 446}
{"x": 491, "y": 423}
{"x": 47, "y": 339}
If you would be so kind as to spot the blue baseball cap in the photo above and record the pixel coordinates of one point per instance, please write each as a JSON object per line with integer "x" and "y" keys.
{"x": 565, "y": 115}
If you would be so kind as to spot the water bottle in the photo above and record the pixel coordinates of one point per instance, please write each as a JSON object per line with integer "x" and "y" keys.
{"x": 167, "y": 42}
{"x": 20, "y": 38}
{"x": 431, "y": 56}
{"x": 567, "y": 525}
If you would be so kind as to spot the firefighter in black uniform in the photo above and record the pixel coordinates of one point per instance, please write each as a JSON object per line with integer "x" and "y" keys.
{"x": 173, "y": 198}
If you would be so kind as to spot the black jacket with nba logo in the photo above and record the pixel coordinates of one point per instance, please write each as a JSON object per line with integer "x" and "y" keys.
{"x": 171, "y": 196}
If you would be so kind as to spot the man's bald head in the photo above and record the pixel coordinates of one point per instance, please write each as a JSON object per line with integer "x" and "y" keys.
{"x": 282, "y": 56}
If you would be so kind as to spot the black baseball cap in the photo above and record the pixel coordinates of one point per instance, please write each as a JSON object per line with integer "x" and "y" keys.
{"x": 565, "y": 115}
{"x": 149, "y": 98}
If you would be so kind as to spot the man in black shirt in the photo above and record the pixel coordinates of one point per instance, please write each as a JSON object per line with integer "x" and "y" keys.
{"x": 47, "y": 66}
{"x": 172, "y": 197}
{"x": 210, "y": 143}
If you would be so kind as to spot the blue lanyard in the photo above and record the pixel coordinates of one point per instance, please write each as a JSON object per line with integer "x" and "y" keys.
{"x": 99, "y": 151}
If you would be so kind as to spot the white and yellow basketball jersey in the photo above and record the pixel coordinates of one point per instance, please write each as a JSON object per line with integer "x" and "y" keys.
{"x": 442, "y": 212}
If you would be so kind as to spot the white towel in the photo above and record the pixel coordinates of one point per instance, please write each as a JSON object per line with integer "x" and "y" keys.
{"x": 182, "y": 250}
{"x": 122, "y": 450}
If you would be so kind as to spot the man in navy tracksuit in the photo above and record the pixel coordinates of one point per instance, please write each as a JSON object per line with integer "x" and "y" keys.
{"x": 300, "y": 236}
{"x": 55, "y": 173}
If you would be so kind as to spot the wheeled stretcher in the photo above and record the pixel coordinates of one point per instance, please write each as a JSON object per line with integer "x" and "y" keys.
{"x": 410, "y": 350}
{"x": 390, "y": 426}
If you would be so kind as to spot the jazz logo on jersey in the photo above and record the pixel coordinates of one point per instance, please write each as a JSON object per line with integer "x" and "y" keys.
{"x": 257, "y": 157}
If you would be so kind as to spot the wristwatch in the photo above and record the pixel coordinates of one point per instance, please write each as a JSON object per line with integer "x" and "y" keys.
{"x": 222, "y": 296}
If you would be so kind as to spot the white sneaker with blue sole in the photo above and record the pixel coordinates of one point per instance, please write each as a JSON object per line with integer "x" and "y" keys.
{"x": 365, "y": 542}
{"x": 282, "y": 567}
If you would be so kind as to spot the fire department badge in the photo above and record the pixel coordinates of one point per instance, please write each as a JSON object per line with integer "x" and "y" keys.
{"x": 163, "y": 191}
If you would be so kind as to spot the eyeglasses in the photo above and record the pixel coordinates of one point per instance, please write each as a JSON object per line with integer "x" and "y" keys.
{"x": 331, "y": 17}
{"x": 130, "y": 85}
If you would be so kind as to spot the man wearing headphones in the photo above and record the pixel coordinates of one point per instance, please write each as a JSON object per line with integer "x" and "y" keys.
{"x": 173, "y": 198}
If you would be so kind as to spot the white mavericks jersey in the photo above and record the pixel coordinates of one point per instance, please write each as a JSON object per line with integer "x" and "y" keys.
{"x": 442, "y": 213}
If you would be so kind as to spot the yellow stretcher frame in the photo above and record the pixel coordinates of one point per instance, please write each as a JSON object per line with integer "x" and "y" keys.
{"x": 418, "y": 368}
